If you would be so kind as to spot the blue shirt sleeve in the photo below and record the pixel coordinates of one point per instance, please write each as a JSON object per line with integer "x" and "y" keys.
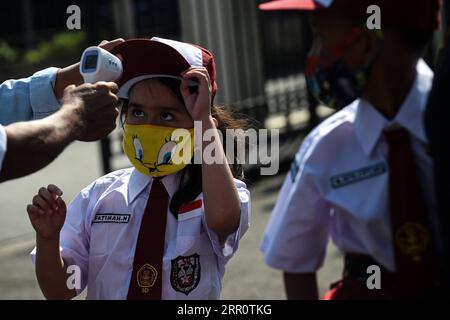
{"x": 29, "y": 98}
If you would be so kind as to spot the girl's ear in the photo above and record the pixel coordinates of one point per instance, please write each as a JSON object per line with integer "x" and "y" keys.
{"x": 216, "y": 123}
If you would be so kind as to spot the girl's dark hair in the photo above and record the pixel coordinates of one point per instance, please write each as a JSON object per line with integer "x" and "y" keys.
{"x": 191, "y": 177}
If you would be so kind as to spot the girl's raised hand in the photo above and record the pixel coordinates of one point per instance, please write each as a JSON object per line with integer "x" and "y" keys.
{"x": 198, "y": 104}
{"x": 48, "y": 212}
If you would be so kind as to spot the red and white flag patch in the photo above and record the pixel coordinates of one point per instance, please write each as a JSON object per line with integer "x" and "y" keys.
{"x": 190, "y": 206}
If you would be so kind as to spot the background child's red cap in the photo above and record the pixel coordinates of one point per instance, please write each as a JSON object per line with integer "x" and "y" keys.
{"x": 402, "y": 14}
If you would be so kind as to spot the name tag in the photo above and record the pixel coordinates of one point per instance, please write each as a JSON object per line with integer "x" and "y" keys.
{"x": 347, "y": 178}
{"x": 111, "y": 218}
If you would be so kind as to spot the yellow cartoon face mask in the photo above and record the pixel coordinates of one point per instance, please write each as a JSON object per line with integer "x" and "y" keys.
{"x": 158, "y": 151}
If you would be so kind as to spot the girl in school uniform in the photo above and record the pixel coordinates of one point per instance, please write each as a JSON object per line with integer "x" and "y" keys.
{"x": 165, "y": 228}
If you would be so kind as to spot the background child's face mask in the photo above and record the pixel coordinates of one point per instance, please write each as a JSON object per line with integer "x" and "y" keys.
{"x": 156, "y": 150}
{"x": 332, "y": 83}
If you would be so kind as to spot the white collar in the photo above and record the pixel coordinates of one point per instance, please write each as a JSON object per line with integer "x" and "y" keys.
{"x": 138, "y": 183}
{"x": 369, "y": 123}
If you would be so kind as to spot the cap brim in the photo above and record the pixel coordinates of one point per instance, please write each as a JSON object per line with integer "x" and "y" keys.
{"x": 289, "y": 5}
{"x": 124, "y": 91}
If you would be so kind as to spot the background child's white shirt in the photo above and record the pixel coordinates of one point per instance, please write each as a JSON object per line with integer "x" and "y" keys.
{"x": 105, "y": 251}
{"x": 317, "y": 199}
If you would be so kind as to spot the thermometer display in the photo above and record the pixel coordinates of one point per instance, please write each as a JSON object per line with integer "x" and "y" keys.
{"x": 97, "y": 64}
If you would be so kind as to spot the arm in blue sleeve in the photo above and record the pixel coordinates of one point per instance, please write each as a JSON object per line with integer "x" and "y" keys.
{"x": 29, "y": 98}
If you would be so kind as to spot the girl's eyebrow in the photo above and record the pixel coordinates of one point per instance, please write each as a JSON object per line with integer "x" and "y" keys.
{"x": 136, "y": 105}
{"x": 164, "y": 108}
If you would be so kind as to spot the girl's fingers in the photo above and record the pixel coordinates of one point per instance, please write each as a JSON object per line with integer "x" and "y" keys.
{"x": 109, "y": 45}
{"x": 44, "y": 193}
{"x": 199, "y": 99}
{"x": 41, "y": 203}
{"x": 34, "y": 212}
{"x": 48, "y": 197}
{"x": 54, "y": 189}
{"x": 186, "y": 71}
{"x": 201, "y": 77}
{"x": 31, "y": 209}
{"x": 184, "y": 88}
{"x": 62, "y": 208}
{"x": 201, "y": 69}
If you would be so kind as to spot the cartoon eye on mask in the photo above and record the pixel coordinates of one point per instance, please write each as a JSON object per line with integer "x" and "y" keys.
{"x": 166, "y": 151}
{"x": 138, "y": 150}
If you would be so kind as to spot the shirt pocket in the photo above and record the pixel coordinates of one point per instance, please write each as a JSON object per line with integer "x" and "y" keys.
{"x": 190, "y": 223}
{"x": 98, "y": 244}
{"x": 106, "y": 237}
{"x": 189, "y": 230}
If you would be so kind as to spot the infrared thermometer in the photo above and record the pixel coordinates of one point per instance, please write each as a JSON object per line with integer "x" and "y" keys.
{"x": 97, "y": 64}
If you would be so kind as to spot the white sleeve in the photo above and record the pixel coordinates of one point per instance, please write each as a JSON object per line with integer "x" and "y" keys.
{"x": 297, "y": 233}
{"x": 3, "y": 140}
{"x": 232, "y": 242}
{"x": 74, "y": 238}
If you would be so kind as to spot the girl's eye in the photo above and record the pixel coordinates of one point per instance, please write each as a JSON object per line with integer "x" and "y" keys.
{"x": 166, "y": 116}
{"x": 138, "y": 113}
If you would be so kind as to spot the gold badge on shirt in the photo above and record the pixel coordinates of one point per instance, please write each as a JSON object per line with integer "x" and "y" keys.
{"x": 412, "y": 239}
{"x": 146, "y": 277}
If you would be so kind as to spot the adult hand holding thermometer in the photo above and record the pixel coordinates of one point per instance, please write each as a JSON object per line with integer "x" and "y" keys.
{"x": 97, "y": 64}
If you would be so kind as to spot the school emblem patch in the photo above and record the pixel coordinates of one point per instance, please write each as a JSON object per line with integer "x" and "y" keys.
{"x": 146, "y": 277}
{"x": 185, "y": 273}
{"x": 412, "y": 239}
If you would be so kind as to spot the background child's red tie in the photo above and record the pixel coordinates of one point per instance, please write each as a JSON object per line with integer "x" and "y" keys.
{"x": 146, "y": 279}
{"x": 415, "y": 250}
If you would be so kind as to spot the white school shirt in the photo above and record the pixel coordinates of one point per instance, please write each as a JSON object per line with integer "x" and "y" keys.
{"x": 101, "y": 230}
{"x": 338, "y": 186}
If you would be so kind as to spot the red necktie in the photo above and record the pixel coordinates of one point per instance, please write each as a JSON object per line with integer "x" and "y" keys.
{"x": 415, "y": 250}
{"x": 146, "y": 279}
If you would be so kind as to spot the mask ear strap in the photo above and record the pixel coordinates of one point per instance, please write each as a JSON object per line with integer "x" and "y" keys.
{"x": 123, "y": 106}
